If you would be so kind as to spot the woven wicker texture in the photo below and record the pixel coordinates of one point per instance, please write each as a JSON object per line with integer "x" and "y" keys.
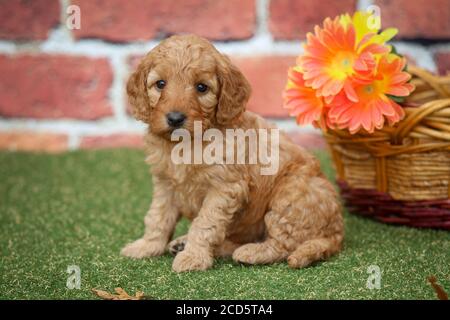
{"x": 408, "y": 163}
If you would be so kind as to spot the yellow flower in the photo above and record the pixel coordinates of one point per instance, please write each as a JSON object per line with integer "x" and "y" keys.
{"x": 366, "y": 23}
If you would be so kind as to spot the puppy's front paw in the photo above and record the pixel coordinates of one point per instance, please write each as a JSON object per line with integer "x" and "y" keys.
{"x": 142, "y": 248}
{"x": 177, "y": 245}
{"x": 190, "y": 261}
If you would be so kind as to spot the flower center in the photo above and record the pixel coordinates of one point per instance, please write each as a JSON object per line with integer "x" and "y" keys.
{"x": 342, "y": 65}
{"x": 368, "y": 89}
{"x": 346, "y": 63}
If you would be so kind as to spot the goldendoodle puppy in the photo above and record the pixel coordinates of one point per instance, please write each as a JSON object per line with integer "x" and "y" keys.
{"x": 236, "y": 211}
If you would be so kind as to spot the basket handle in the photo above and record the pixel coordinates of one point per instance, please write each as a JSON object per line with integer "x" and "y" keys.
{"x": 416, "y": 117}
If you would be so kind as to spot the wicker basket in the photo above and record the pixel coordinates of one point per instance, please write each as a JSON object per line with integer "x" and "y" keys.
{"x": 401, "y": 174}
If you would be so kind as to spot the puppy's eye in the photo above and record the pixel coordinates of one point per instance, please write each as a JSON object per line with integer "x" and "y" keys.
{"x": 160, "y": 84}
{"x": 201, "y": 87}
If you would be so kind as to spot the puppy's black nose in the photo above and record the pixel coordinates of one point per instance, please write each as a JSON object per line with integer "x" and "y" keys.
{"x": 175, "y": 119}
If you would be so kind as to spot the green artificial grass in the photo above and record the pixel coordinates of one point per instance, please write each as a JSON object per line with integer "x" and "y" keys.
{"x": 81, "y": 208}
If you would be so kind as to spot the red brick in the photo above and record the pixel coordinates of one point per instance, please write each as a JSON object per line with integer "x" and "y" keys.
{"x": 121, "y": 140}
{"x": 46, "y": 86}
{"x": 28, "y": 20}
{"x": 311, "y": 141}
{"x": 33, "y": 141}
{"x": 443, "y": 62}
{"x": 428, "y": 19}
{"x": 267, "y": 76}
{"x": 123, "y": 21}
{"x": 292, "y": 19}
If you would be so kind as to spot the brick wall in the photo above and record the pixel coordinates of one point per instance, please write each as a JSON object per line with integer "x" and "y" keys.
{"x": 64, "y": 89}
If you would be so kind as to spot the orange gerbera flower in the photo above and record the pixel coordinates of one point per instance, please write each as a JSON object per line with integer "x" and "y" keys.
{"x": 301, "y": 101}
{"x": 334, "y": 60}
{"x": 373, "y": 104}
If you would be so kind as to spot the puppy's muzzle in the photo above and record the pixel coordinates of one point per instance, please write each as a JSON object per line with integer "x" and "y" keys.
{"x": 175, "y": 119}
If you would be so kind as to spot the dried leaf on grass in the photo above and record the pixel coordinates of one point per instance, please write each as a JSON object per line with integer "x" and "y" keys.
{"x": 440, "y": 292}
{"x": 120, "y": 295}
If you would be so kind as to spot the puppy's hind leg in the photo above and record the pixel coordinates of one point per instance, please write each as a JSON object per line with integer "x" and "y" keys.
{"x": 270, "y": 250}
{"x": 314, "y": 250}
{"x": 304, "y": 224}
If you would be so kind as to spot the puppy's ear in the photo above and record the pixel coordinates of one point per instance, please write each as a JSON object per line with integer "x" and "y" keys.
{"x": 234, "y": 92}
{"x": 137, "y": 91}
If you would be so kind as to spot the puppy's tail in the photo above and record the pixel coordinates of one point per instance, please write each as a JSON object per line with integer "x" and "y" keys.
{"x": 315, "y": 250}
